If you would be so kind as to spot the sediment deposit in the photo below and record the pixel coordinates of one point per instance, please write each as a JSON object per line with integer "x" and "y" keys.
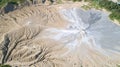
{"x": 58, "y": 36}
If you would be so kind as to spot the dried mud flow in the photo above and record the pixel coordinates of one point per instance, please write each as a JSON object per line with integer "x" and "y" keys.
{"x": 59, "y": 36}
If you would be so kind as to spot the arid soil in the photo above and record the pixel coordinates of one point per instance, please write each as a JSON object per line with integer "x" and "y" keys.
{"x": 61, "y": 35}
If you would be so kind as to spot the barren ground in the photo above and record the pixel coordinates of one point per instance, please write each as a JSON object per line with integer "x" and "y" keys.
{"x": 61, "y": 35}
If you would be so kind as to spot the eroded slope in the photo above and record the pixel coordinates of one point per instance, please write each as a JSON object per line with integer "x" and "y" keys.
{"x": 58, "y": 36}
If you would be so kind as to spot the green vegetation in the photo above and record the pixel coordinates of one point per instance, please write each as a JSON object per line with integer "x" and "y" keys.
{"x": 5, "y": 66}
{"x": 76, "y": 0}
{"x": 118, "y": 65}
{"x": 114, "y": 8}
{"x": 4, "y": 2}
{"x": 108, "y": 5}
{"x": 59, "y": 1}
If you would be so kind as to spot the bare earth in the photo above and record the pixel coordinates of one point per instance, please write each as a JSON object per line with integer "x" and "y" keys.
{"x": 61, "y": 35}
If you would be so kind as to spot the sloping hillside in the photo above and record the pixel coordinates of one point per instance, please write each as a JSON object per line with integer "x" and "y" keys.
{"x": 63, "y": 35}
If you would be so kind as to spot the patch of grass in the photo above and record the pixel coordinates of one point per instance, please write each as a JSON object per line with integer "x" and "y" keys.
{"x": 59, "y": 1}
{"x": 5, "y": 65}
{"x": 118, "y": 65}
{"x": 86, "y": 7}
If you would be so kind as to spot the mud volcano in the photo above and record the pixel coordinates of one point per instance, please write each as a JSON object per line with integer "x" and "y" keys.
{"x": 57, "y": 36}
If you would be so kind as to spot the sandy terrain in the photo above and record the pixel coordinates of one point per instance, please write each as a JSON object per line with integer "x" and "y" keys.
{"x": 61, "y": 35}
